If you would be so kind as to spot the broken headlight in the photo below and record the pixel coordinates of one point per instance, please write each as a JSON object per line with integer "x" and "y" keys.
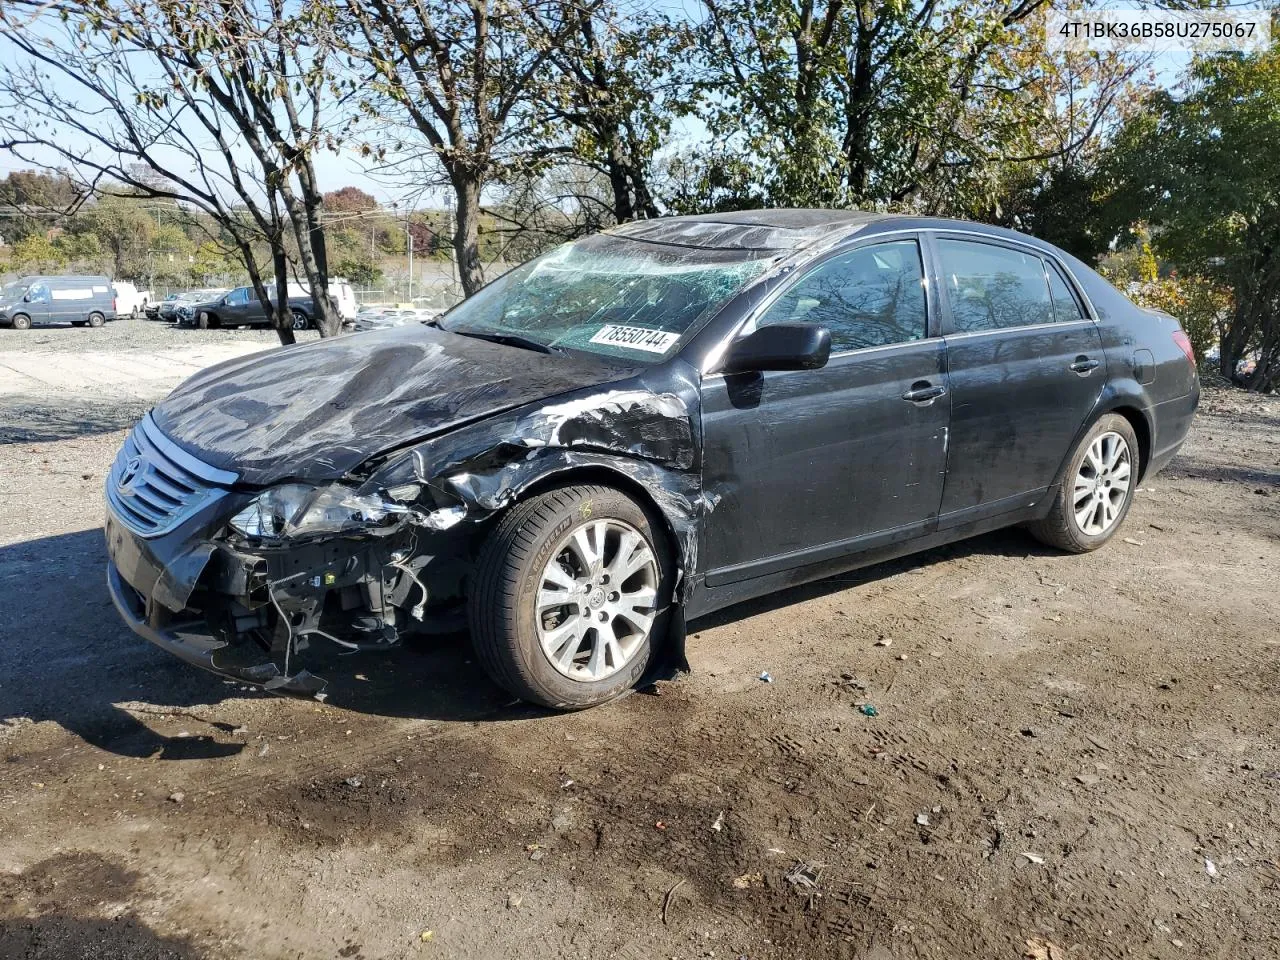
{"x": 300, "y": 510}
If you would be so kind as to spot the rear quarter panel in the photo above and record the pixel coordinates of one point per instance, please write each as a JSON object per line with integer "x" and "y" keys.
{"x": 1146, "y": 369}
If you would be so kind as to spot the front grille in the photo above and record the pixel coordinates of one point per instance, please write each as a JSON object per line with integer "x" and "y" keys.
{"x": 154, "y": 485}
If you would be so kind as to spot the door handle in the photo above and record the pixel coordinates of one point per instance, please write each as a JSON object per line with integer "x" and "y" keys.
{"x": 923, "y": 392}
{"x": 1083, "y": 365}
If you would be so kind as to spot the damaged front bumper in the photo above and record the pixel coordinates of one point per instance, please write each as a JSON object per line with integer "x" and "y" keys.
{"x": 249, "y": 614}
{"x": 195, "y": 643}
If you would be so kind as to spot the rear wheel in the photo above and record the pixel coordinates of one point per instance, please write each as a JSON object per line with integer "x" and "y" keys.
{"x": 570, "y": 591}
{"x": 96, "y": 319}
{"x": 1096, "y": 490}
{"x": 21, "y": 321}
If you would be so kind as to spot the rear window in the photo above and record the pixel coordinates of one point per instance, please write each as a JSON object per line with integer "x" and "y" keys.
{"x": 992, "y": 287}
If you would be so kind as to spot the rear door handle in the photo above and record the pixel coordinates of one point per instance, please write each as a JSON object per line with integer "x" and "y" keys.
{"x": 1083, "y": 365}
{"x": 924, "y": 392}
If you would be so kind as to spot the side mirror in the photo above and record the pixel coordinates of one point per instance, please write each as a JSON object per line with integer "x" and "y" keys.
{"x": 780, "y": 346}
{"x": 26, "y": 298}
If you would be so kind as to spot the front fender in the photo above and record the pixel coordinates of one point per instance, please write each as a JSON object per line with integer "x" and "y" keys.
{"x": 646, "y": 439}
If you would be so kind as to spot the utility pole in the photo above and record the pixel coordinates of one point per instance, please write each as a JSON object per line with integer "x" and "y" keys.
{"x": 409, "y": 233}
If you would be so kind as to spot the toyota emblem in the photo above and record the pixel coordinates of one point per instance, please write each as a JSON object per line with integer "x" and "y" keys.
{"x": 132, "y": 468}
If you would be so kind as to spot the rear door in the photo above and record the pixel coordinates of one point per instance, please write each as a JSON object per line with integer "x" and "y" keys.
{"x": 1026, "y": 367}
{"x": 809, "y": 465}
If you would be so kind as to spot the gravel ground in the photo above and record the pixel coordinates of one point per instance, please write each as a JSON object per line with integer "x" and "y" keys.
{"x": 129, "y": 334}
{"x": 60, "y": 382}
{"x": 1073, "y": 757}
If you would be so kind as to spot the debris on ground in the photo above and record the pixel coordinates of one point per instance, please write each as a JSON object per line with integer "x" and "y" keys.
{"x": 868, "y": 710}
{"x": 177, "y": 796}
{"x": 765, "y": 677}
{"x": 748, "y": 880}
{"x": 666, "y": 901}
{"x": 1210, "y": 867}
{"x": 1034, "y": 858}
{"x": 884, "y": 641}
{"x": 718, "y": 825}
{"x": 804, "y": 876}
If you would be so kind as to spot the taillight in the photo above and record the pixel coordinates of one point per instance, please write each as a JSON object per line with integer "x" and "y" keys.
{"x": 1182, "y": 340}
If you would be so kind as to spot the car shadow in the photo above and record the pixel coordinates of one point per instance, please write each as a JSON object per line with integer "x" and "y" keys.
{"x": 67, "y": 658}
{"x": 1009, "y": 542}
{"x": 34, "y": 420}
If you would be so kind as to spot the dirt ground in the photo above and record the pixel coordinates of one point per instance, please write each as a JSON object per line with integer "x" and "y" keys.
{"x": 1074, "y": 757}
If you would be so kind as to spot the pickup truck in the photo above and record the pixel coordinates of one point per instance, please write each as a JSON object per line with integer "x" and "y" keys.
{"x": 241, "y": 308}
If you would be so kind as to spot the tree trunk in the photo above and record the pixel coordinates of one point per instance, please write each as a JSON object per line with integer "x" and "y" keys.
{"x": 618, "y": 180}
{"x": 306, "y": 230}
{"x": 466, "y": 234}
{"x": 281, "y": 317}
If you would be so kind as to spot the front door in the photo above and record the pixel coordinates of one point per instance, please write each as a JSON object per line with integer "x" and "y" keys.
{"x": 38, "y": 305}
{"x": 805, "y": 466}
{"x": 1026, "y": 368}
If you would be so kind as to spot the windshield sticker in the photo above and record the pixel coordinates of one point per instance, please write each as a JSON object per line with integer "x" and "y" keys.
{"x": 635, "y": 338}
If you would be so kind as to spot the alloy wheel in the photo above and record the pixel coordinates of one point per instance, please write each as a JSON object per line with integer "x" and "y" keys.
{"x": 595, "y": 601}
{"x": 1102, "y": 484}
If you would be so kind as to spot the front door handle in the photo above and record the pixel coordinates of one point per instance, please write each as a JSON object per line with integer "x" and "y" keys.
{"x": 1083, "y": 365}
{"x": 924, "y": 392}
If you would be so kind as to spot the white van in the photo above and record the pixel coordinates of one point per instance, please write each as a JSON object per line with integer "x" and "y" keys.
{"x": 340, "y": 291}
{"x": 129, "y": 299}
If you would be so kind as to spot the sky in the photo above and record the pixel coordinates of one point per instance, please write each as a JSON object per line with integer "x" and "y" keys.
{"x": 347, "y": 168}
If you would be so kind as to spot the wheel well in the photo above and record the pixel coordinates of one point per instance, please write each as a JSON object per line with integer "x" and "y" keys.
{"x": 1142, "y": 431}
{"x": 610, "y": 478}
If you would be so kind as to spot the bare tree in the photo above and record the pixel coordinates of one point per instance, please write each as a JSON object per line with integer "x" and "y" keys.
{"x": 213, "y": 103}
{"x": 468, "y": 77}
{"x": 618, "y": 84}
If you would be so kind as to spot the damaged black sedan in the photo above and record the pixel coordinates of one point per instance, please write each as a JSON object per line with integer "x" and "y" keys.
{"x": 636, "y": 429}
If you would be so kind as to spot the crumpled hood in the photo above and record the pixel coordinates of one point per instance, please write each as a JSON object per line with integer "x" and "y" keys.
{"x": 316, "y": 412}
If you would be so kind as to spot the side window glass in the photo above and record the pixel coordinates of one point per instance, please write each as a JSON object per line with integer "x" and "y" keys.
{"x": 869, "y": 297}
{"x": 991, "y": 287}
{"x": 239, "y": 296}
{"x": 39, "y": 293}
{"x": 1065, "y": 306}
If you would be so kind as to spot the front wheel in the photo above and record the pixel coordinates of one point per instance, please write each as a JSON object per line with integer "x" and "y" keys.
{"x": 571, "y": 590}
{"x": 300, "y": 320}
{"x": 1096, "y": 490}
{"x": 21, "y": 321}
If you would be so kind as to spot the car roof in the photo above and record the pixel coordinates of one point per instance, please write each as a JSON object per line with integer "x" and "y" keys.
{"x": 748, "y": 230}
{"x": 792, "y": 230}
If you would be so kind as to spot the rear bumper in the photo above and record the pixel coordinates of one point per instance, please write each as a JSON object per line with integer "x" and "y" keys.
{"x": 1173, "y": 420}
{"x": 193, "y": 642}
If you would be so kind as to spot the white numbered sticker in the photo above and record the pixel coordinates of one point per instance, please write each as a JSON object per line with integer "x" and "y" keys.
{"x": 635, "y": 338}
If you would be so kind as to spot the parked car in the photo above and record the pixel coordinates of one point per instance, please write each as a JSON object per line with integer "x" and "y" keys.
{"x": 129, "y": 299}
{"x": 153, "y": 310}
{"x": 634, "y": 430}
{"x": 242, "y": 308}
{"x": 384, "y": 318}
{"x": 80, "y": 301}
{"x": 172, "y": 307}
